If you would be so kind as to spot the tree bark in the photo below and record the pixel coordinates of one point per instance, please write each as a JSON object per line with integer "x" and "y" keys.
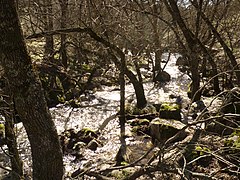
{"x": 48, "y": 20}
{"x": 28, "y": 95}
{"x": 63, "y": 50}
{"x": 191, "y": 47}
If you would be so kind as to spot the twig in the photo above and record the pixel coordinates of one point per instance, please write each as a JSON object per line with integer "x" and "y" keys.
{"x": 201, "y": 175}
{"x": 106, "y": 121}
{"x": 7, "y": 169}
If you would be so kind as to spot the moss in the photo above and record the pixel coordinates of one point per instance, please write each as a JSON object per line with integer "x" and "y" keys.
{"x": 149, "y": 109}
{"x": 128, "y": 109}
{"x": 200, "y": 151}
{"x": 170, "y": 111}
{"x": 169, "y": 107}
{"x": 124, "y": 163}
{"x": 86, "y": 67}
{"x": 122, "y": 174}
{"x": 87, "y": 131}
{"x": 144, "y": 122}
{"x": 61, "y": 98}
{"x": 73, "y": 103}
{"x": 86, "y": 135}
{"x": 2, "y": 127}
{"x": 133, "y": 110}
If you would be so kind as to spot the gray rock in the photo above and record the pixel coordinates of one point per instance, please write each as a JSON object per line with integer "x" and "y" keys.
{"x": 163, "y": 129}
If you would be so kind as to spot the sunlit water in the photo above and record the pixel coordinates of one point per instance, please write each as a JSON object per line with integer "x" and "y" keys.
{"x": 106, "y": 103}
{"x": 97, "y": 108}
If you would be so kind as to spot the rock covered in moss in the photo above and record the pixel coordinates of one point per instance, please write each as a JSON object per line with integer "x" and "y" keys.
{"x": 140, "y": 126}
{"x": 133, "y": 110}
{"x": 163, "y": 129}
{"x": 71, "y": 140}
{"x": 170, "y": 111}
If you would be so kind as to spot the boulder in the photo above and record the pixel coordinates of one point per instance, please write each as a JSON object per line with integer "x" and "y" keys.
{"x": 170, "y": 111}
{"x": 162, "y": 76}
{"x": 163, "y": 129}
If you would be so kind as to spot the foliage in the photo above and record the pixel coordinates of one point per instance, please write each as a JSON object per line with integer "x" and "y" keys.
{"x": 200, "y": 151}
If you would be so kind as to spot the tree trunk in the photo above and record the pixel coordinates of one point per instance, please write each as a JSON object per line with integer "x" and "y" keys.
{"x": 29, "y": 97}
{"x": 226, "y": 49}
{"x": 191, "y": 47}
{"x": 48, "y": 20}
{"x": 122, "y": 151}
{"x": 63, "y": 51}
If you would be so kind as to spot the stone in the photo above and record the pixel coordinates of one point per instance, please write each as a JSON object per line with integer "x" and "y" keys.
{"x": 162, "y": 76}
{"x": 93, "y": 145}
{"x": 163, "y": 129}
{"x": 170, "y": 111}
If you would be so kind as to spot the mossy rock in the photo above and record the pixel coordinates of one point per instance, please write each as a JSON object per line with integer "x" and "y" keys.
{"x": 73, "y": 103}
{"x": 140, "y": 126}
{"x": 149, "y": 109}
{"x": 133, "y": 110}
{"x": 170, "y": 111}
{"x": 122, "y": 174}
{"x": 86, "y": 135}
{"x": 129, "y": 109}
{"x": 137, "y": 122}
{"x": 163, "y": 129}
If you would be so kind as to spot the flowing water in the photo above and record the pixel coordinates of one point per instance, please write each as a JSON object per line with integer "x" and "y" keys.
{"x": 95, "y": 108}
{"x": 105, "y": 103}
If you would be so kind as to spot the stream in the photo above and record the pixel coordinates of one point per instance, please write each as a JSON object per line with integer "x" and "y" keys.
{"x": 97, "y": 107}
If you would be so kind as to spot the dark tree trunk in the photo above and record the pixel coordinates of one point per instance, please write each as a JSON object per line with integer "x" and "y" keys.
{"x": 63, "y": 50}
{"x": 29, "y": 97}
{"x": 138, "y": 87}
{"x": 122, "y": 151}
{"x": 48, "y": 20}
{"x": 191, "y": 47}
